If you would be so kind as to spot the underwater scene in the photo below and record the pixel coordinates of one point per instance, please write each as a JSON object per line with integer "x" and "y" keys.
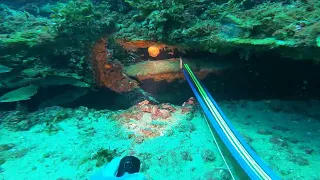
{"x": 159, "y": 89}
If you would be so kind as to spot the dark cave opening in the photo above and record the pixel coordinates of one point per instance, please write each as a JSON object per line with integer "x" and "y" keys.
{"x": 268, "y": 76}
{"x": 262, "y": 76}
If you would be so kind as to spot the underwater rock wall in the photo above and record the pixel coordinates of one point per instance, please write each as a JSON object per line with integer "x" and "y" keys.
{"x": 50, "y": 44}
{"x": 223, "y": 27}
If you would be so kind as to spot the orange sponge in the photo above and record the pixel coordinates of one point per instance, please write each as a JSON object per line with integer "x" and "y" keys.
{"x": 153, "y": 51}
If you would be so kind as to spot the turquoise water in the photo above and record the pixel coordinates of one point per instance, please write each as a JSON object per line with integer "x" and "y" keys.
{"x": 85, "y": 82}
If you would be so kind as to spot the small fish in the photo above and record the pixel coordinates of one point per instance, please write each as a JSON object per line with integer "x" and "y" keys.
{"x": 21, "y": 94}
{"x": 4, "y": 69}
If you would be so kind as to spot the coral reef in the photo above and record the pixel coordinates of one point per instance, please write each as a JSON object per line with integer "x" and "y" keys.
{"x": 46, "y": 38}
{"x": 35, "y": 46}
{"x": 228, "y": 25}
{"x": 146, "y": 120}
{"x": 77, "y": 47}
{"x": 109, "y": 74}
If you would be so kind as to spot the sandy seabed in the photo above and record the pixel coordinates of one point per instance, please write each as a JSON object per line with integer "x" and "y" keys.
{"x": 285, "y": 134}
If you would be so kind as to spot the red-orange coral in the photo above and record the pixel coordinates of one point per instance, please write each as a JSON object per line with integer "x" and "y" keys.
{"x": 188, "y": 106}
{"x": 167, "y": 106}
{"x": 98, "y": 60}
{"x": 109, "y": 74}
{"x": 146, "y": 120}
{"x": 163, "y": 111}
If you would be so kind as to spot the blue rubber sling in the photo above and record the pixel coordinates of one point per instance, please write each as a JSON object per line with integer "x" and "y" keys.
{"x": 248, "y": 160}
